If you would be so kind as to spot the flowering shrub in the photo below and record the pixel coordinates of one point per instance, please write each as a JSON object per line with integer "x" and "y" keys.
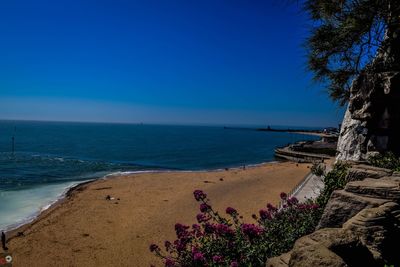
{"x": 228, "y": 241}
{"x": 336, "y": 179}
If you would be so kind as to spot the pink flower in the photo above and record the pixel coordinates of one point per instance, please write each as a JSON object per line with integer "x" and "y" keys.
{"x": 292, "y": 201}
{"x": 195, "y": 250}
{"x": 179, "y": 245}
{"x": 199, "y": 195}
{"x": 199, "y": 257}
{"x": 202, "y": 218}
{"x": 196, "y": 227}
{"x": 223, "y": 229}
{"x": 283, "y": 196}
{"x": 209, "y": 228}
{"x": 251, "y": 230}
{"x": 153, "y": 247}
{"x": 181, "y": 230}
{"x": 265, "y": 215}
{"x": 204, "y": 207}
{"x": 234, "y": 264}
{"x": 218, "y": 259}
{"x": 231, "y": 211}
{"x": 167, "y": 245}
{"x": 197, "y": 230}
{"x": 271, "y": 208}
{"x": 169, "y": 262}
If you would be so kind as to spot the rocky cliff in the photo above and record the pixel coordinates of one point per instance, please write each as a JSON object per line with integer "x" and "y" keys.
{"x": 360, "y": 225}
{"x": 371, "y": 122}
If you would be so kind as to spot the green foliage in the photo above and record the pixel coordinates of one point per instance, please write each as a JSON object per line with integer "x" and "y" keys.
{"x": 290, "y": 225}
{"x": 334, "y": 180}
{"x": 387, "y": 160}
{"x": 318, "y": 169}
{"x": 345, "y": 39}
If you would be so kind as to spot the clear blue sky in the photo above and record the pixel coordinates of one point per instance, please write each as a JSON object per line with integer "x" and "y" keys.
{"x": 165, "y": 61}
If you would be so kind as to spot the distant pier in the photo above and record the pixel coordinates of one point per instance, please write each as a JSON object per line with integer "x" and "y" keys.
{"x": 320, "y": 133}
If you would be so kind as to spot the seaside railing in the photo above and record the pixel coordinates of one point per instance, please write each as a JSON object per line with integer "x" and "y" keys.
{"x": 296, "y": 189}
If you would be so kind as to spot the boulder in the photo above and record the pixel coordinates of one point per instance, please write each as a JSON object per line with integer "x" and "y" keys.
{"x": 343, "y": 205}
{"x": 379, "y": 231}
{"x": 362, "y": 171}
{"x": 384, "y": 188}
{"x": 327, "y": 247}
{"x": 279, "y": 261}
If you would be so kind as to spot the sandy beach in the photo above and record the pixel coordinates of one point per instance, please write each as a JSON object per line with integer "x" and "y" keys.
{"x": 85, "y": 229}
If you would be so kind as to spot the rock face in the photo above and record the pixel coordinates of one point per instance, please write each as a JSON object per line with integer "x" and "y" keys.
{"x": 371, "y": 120}
{"x": 350, "y": 146}
{"x": 361, "y": 171}
{"x": 344, "y": 205}
{"x": 331, "y": 247}
{"x": 357, "y": 196}
{"x": 360, "y": 226}
{"x": 378, "y": 230}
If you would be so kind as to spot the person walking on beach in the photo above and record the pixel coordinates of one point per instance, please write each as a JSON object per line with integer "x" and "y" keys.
{"x": 3, "y": 241}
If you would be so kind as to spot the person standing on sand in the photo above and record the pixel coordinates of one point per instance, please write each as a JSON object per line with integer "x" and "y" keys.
{"x": 3, "y": 241}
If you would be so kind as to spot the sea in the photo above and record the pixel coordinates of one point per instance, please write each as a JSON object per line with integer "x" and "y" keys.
{"x": 40, "y": 161}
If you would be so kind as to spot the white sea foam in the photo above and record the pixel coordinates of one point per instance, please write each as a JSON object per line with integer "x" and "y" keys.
{"x": 18, "y": 207}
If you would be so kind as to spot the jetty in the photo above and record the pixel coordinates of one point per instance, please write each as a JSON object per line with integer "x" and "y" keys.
{"x": 289, "y": 154}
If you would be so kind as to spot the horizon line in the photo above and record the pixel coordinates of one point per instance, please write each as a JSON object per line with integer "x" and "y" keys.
{"x": 158, "y": 123}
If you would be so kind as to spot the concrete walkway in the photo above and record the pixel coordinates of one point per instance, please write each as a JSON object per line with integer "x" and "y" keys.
{"x": 311, "y": 187}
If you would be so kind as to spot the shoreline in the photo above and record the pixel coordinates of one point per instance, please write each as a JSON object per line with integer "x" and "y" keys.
{"x": 44, "y": 211}
{"x": 249, "y": 190}
{"x": 13, "y": 229}
{"x": 34, "y": 215}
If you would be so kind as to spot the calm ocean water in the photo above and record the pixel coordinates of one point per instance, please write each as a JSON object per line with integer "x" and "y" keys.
{"x": 53, "y": 156}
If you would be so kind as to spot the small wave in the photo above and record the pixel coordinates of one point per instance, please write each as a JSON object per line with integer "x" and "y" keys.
{"x": 30, "y": 216}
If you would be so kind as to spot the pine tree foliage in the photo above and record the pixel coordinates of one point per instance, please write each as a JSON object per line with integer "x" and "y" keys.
{"x": 345, "y": 39}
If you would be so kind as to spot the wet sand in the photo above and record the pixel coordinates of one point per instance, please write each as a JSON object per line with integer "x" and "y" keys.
{"x": 85, "y": 229}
